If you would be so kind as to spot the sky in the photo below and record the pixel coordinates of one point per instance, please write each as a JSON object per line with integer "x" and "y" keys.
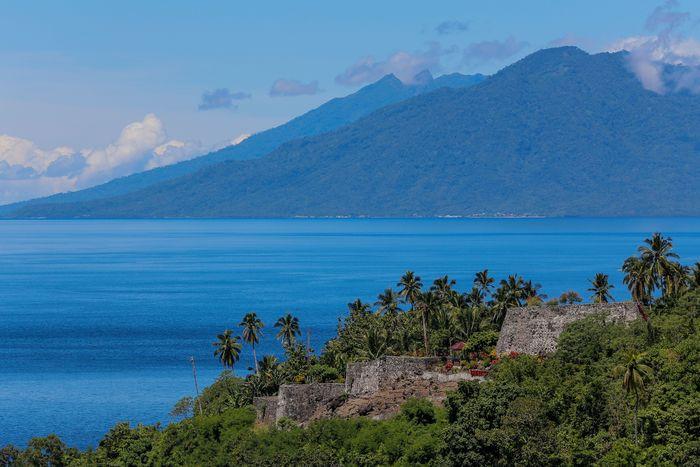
{"x": 93, "y": 90}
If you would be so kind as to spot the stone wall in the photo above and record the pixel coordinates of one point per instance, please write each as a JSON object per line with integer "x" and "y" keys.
{"x": 300, "y": 401}
{"x": 535, "y": 330}
{"x": 370, "y": 377}
{"x": 266, "y": 407}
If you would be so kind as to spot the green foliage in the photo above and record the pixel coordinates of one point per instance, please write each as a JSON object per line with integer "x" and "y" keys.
{"x": 320, "y": 373}
{"x": 482, "y": 341}
{"x": 420, "y": 411}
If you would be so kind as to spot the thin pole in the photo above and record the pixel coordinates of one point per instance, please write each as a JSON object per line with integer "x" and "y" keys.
{"x": 196, "y": 386}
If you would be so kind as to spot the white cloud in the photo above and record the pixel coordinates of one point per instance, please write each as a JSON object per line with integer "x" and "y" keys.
{"x": 404, "y": 65}
{"x": 27, "y": 171}
{"x": 667, "y": 60}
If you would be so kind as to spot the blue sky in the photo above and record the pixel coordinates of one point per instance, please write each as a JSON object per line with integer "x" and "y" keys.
{"x": 77, "y": 73}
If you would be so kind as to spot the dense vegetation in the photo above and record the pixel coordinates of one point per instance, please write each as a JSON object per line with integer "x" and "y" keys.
{"x": 328, "y": 117}
{"x": 613, "y": 394}
{"x": 558, "y": 133}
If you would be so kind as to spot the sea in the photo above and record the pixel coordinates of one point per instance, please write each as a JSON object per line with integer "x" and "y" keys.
{"x": 99, "y": 318}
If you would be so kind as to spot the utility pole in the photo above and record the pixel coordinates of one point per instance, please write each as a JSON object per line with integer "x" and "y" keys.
{"x": 196, "y": 386}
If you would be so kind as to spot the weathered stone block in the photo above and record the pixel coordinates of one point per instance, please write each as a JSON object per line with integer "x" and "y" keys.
{"x": 266, "y": 408}
{"x": 298, "y": 402}
{"x": 384, "y": 373}
{"x": 535, "y": 330}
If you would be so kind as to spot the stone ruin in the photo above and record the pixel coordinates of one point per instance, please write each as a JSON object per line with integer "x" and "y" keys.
{"x": 375, "y": 388}
{"x": 535, "y": 330}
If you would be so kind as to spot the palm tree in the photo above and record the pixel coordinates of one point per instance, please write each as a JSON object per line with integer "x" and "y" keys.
{"x": 410, "y": 287}
{"x": 633, "y": 381}
{"x": 387, "y": 302}
{"x": 484, "y": 282}
{"x": 267, "y": 363}
{"x": 474, "y": 297}
{"x": 531, "y": 292}
{"x": 695, "y": 275}
{"x": 601, "y": 288}
{"x": 289, "y": 329}
{"x": 636, "y": 280}
{"x": 358, "y": 308}
{"x": 252, "y": 329}
{"x": 514, "y": 289}
{"x": 656, "y": 255}
{"x": 228, "y": 350}
{"x": 426, "y": 305}
{"x": 442, "y": 288}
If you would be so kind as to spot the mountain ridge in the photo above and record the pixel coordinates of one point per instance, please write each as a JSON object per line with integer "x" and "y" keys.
{"x": 558, "y": 133}
{"x": 332, "y": 114}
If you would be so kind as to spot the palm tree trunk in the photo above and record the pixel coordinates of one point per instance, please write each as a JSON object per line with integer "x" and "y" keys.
{"x": 255, "y": 358}
{"x": 636, "y": 405}
{"x": 425, "y": 334}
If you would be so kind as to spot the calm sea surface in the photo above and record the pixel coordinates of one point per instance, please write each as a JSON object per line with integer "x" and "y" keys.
{"x": 98, "y": 318}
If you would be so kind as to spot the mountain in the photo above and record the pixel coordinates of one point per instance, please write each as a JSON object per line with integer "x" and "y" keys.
{"x": 329, "y": 116}
{"x": 559, "y": 133}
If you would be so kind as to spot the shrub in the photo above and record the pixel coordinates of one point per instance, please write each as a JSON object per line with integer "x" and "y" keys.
{"x": 419, "y": 411}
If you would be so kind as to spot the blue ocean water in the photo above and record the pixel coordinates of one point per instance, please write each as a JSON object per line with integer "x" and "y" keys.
{"x": 98, "y": 318}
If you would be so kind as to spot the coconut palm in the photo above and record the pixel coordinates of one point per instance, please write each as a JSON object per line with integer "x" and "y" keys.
{"x": 636, "y": 280}
{"x": 359, "y": 309}
{"x": 635, "y": 375}
{"x": 513, "y": 289}
{"x": 601, "y": 288}
{"x": 484, "y": 282}
{"x": 289, "y": 329}
{"x": 410, "y": 287}
{"x": 268, "y": 363}
{"x": 442, "y": 288}
{"x": 474, "y": 297}
{"x": 228, "y": 350}
{"x": 531, "y": 292}
{"x": 695, "y": 275}
{"x": 656, "y": 255}
{"x": 388, "y": 302}
{"x": 252, "y": 329}
{"x": 426, "y": 305}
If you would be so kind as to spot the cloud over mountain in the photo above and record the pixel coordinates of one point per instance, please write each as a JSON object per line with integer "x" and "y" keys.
{"x": 665, "y": 60}
{"x": 404, "y": 65}
{"x": 291, "y": 87}
{"x": 495, "y": 50}
{"x": 28, "y": 171}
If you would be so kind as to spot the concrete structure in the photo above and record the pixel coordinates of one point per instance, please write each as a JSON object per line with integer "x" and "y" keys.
{"x": 535, "y": 330}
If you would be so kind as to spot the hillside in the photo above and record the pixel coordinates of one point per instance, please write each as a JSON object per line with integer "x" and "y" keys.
{"x": 329, "y": 116}
{"x": 559, "y": 133}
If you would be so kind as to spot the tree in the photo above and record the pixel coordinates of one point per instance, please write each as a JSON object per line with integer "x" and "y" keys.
{"x": 531, "y": 292}
{"x": 633, "y": 381}
{"x": 601, "y": 288}
{"x": 358, "y": 308}
{"x": 483, "y": 282}
{"x": 442, "y": 288}
{"x": 695, "y": 276}
{"x": 426, "y": 305}
{"x": 228, "y": 350}
{"x": 252, "y": 329}
{"x": 410, "y": 287}
{"x": 289, "y": 329}
{"x": 387, "y": 302}
{"x": 636, "y": 280}
{"x": 570, "y": 297}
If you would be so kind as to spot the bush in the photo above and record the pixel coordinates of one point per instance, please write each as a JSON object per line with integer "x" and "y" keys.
{"x": 419, "y": 411}
{"x": 481, "y": 341}
{"x": 322, "y": 374}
